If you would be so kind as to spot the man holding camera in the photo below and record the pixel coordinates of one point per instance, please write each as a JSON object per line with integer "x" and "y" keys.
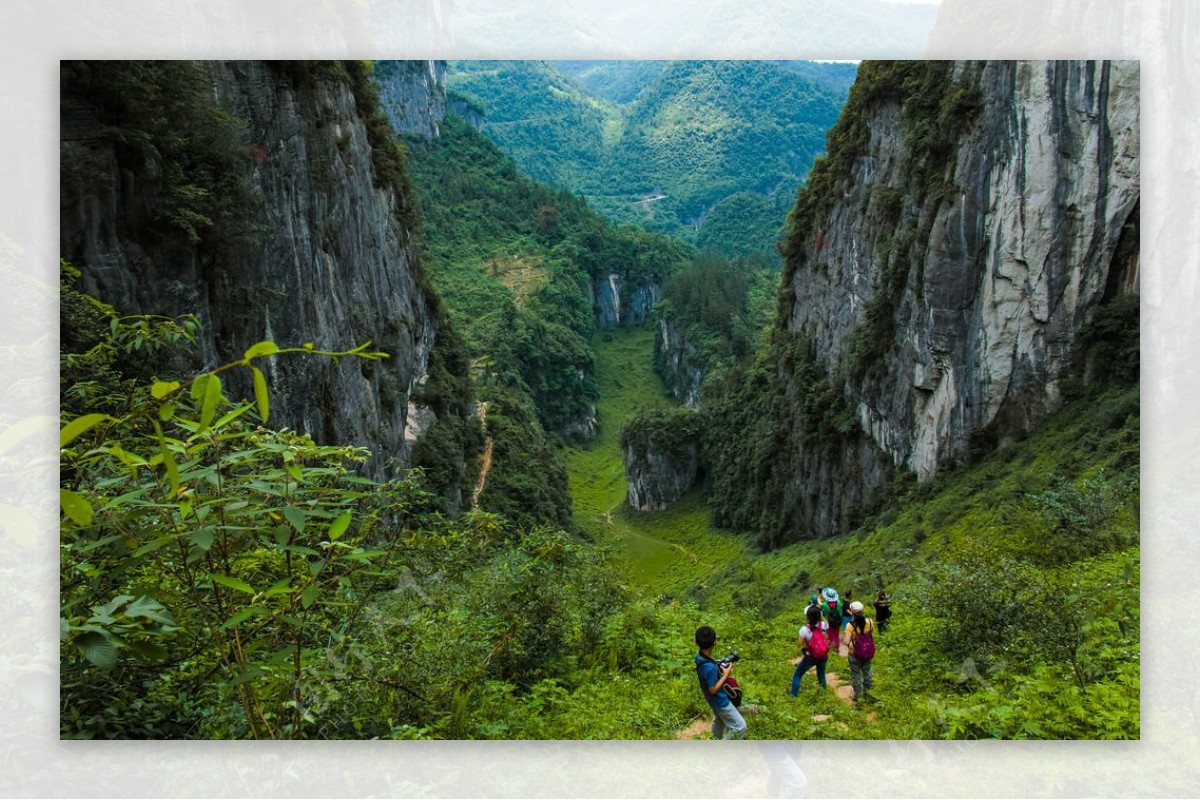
{"x": 728, "y": 722}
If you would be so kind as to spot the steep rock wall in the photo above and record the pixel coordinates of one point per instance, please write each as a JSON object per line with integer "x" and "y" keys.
{"x": 676, "y": 359}
{"x": 326, "y": 257}
{"x": 413, "y": 94}
{"x": 657, "y": 478}
{"x": 944, "y": 283}
{"x": 617, "y": 305}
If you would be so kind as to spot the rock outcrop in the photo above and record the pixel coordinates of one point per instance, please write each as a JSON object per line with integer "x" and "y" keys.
{"x": 413, "y": 95}
{"x": 323, "y": 249}
{"x": 661, "y": 451}
{"x": 616, "y": 305}
{"x": 656, "y": 479}
{"x": 948, "y": 256}
{"x": 676, "y": 362}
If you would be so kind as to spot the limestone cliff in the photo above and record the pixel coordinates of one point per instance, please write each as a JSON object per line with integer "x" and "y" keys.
{"x": 617, "y": 303}
{"x": 413, "y": 95}
{"x": 284, "y": 217}
{"x": 969, "y": 219}
{"x": 677, "y": 363}
{"x": 661, "y": 451}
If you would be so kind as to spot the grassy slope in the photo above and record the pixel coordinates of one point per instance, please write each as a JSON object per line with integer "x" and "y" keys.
{"x": 755, "y": 600}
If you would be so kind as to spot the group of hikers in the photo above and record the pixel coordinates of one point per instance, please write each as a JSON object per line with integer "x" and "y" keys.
{"x": 830, "y": 621}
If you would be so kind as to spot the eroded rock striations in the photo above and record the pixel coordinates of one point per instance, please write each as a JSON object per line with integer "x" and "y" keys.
{"x": 313, "y": 243}
{"x": 661, "y": 451}
{"x": 618, "y": 305}
{"x": 413, "y": 95}
{"x": 967, "y": 223}
{"x": 677, "y": 362}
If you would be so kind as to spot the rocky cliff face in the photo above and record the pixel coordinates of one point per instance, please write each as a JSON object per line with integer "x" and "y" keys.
{"x": 322, "y": 251}
{"x": 675, "y": 359}
{"x": 966, "y": 241}
{"x": 618, "y": 305}
{"x": 657, "y": 478}
{"x": 413, "y": 94}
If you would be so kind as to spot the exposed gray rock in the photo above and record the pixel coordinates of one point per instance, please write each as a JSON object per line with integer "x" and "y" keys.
{"x": 1006, "y": 268}
{"x": 676, "y": 359}
{"x": 586, "y": 426}
{"x": 330, "y": 260}
{"x": 609, "y": 293}
{"x": 413, "y": 94}
{"x": 657, "y": 478}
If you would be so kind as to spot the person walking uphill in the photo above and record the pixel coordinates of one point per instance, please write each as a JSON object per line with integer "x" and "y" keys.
{"x": 727, "y": 720}
{"x": 814, "y": 642}
{"x": 859, "y": 639}
{"x": 831, "y": 610}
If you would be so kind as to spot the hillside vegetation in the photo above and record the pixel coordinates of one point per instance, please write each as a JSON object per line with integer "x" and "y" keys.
{"x": 712, "y": 151}
{"x": 222, "y": 577}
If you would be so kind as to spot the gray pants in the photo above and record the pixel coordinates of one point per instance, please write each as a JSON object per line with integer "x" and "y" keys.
{"x": 860, "y": 676}
{"x": 728, "y": 723}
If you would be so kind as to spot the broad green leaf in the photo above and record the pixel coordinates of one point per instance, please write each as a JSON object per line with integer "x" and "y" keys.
{"x": 316, "y": 567}
{"x": 212, "y": 395}
{"x": 309, "y": 595}
{"x": 202, "y": 538}
{"x": 293, "y": 469}
{"x": 168, "y": 458}
{"x": 266, "y": 348}
{"x": 260, "y": 394}
{"x": 339, "y": 526}
{"x": 160, "y": 389}
{"x": 280, "y": 587}
{"x": 79, "y": 425}
{"x": 149, "y": 650}
{"x": 98, "y": 649}
{"x": 231, "y": 416}
{"x": 295, "y": 517}
{"x": 150, "y": 547}
{"x": 146, "y": 606}
{"x": 283, "y": 535}
{"x": 241, "y": 616}
{"x": 233, "y": 583}
{"x": 248, "y": 675}
{"x": 77, "y": 509}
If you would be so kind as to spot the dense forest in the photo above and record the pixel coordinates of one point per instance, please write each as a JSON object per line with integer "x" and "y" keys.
{"x": 710, "y": 151}
{"x": 396, "y": 504}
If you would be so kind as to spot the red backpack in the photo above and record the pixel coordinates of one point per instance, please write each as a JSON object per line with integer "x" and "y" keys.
{"x": 818, "y": 643}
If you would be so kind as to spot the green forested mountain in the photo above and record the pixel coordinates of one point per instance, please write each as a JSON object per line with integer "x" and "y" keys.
{"x": 229, "y": 569}
{"x": 618, "y": 82}
{"x": 712, "y": 151}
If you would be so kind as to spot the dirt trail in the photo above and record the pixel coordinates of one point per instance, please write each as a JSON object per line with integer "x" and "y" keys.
{"x": 486, "y": 461}
{"x": 841, "y": 688}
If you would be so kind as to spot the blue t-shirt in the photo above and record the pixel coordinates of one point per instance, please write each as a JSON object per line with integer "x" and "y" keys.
{"x": 709, "y": 675}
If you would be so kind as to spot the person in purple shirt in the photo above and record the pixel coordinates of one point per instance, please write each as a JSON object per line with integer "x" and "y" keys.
{"x": 727, "y": 722}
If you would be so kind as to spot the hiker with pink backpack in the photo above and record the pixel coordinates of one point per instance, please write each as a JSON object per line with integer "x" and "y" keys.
{"x": 859, "y": 638}
{"x": 814, "y": 641}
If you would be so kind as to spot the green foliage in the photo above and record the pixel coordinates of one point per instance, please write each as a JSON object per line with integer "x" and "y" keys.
{"x": 201, "y": 550}
{"x": 1110, "y": 341}
{"x": 515, "y": 261}
{"x": 775, "y": 407}
{"x": 527, "y": 483}
{"x": 662, "y": 430}
{"x": 698, "y": 133}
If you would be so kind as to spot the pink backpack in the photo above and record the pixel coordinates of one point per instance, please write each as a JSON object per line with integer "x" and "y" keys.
{"x": 818, "y": 643}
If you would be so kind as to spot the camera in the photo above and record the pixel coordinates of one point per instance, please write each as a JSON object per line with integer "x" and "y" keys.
{"x": 729, "y": 659}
